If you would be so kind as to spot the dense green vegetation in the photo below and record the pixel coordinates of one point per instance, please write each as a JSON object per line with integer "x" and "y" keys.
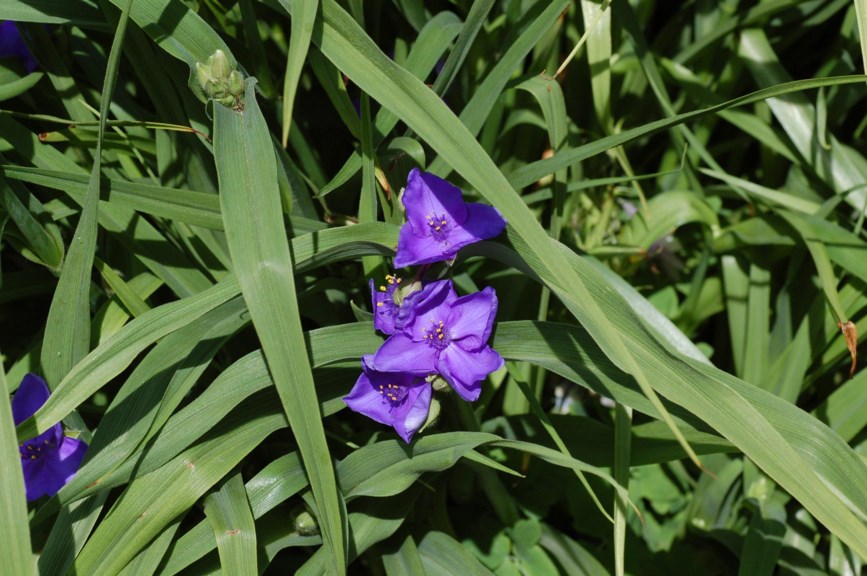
{"x": 187, "y": 238}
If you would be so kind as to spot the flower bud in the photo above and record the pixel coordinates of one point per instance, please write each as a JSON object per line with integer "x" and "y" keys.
{"x": 405, "y": 290}
{"x": 305, "y": 523}
{"x": 432, "y": 415}
{"x": 203, "y": 74}
{"x": 236, "y": 84}
{"x": 220, "y": 65}
{"x": 220, "y": 81}
{"x": 439, "y": 383}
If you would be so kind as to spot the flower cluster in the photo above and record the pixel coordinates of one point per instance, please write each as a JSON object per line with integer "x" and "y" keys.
{"x": 51, "y": 459}
{"x": 220, "y": 80}
{"x": 436, "y": 339}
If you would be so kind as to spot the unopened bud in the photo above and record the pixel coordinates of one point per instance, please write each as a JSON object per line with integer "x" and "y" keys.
{"x": 438, "y": 383}
{"x": 305, "y": 523}
{"x": 433, "y": 415}
{"x": 220, "y": 81}
{"x": 203, "y": 73}
{"x": 236, "y": 84}
{"x": 405, "y": 290}
{"x": 220, "y": 65}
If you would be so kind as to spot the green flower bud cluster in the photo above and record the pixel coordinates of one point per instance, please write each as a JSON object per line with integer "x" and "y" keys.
{"x": 220, "y": 81}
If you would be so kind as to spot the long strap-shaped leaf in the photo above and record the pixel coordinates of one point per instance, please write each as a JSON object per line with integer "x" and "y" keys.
{"x": 253, "y": 220}
{"x": 299, "y": 43}
{"x": 67, "y": 330}
{"x": 116, "y": 354}
{"x": 15, "y": 543}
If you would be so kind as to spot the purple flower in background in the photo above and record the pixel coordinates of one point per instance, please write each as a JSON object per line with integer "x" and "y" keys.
{"x": 12, "y": 45}
{"x": 439, "y": 222}
{"x": 447, "y": 335}
{"x": 51, "y": 459}
{"x": 399, "y": 399}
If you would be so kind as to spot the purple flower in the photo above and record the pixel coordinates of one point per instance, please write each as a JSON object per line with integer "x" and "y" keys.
{"x": 447, "y": 335}
{"x": 51, "y": 459}
{"x": 394, "y": 305}
{"x": 398, "y": 399}
{"x": 386, "y": 303}
{"x": 13, "y": 46}
{"x": 439, "y": 222}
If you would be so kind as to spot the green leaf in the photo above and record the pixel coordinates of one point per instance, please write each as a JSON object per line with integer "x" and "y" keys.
{"x": 67, "y": 332}
{"x": 443, "y": 556}
{"x": 42, "y": 240}
{"x": 231, "y": 519}
{"x": 112, "y": 357}
{"x": 532, "y": 172}
{"x": 15, "y": 544}
{"x": 11, "y": 85}
{"x": 276, "y": 483}
{"x": 253, "y": 219}
{"x": 405, "y": 559}
{"x": 153, "y": 501}
{"x": 304, "y": 15}
{"x": 79, "y": 12}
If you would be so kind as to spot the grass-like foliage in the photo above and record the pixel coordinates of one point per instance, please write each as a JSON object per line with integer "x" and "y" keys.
{"x": 623, "y": 340}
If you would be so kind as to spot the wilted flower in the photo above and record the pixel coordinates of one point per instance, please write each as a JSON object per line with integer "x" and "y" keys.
{"x": 446, "y": 335}
{"x": 51, "y": 459}
{"x": 439, "y": 222}
{"x": 399, "y": 399}
{"x": 12, "y": 45}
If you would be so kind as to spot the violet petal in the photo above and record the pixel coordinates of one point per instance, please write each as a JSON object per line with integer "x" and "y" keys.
{"x": 30, "y": 396}
{"x": 399, "y": 353}
{"x": 428, "y": 195}
{"x": 472, "y": 318}
{"x": 465, "y": 370}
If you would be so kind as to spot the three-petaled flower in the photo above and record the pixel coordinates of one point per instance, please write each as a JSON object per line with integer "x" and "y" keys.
{"x": 439, "y": 222}
{"x": 447, "y": 335}
{"x": 51, "y": 459}
{"x": 400, "y": 399}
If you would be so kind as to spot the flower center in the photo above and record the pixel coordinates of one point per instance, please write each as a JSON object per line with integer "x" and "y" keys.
{"x": 439, "y": 227}
{"x": 387, "y": 302}
{"x": 392, "y": 394}
{"x": 437, "y": 335}
{"x": 32, "y": 449}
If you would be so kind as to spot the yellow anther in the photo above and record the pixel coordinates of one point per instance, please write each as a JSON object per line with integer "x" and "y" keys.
{"x": 379, "y": 304}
